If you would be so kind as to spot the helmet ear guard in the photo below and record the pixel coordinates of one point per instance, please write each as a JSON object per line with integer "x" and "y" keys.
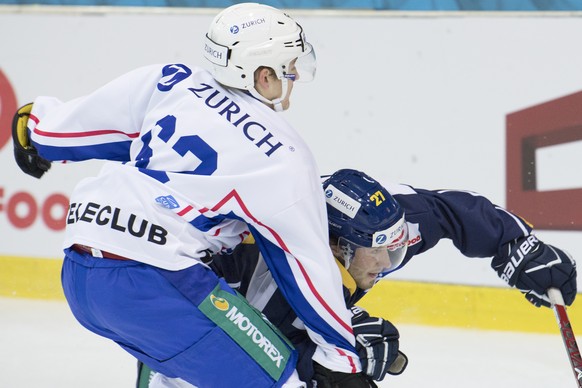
{"x": 363, "y": 214}
{"x": 246, "y": 36}
{"x": 216, "y": 53}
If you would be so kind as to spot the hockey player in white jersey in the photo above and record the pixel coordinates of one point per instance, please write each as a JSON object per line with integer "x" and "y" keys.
{"x": 362, "y": 214}
{"x": 200, "y": 160}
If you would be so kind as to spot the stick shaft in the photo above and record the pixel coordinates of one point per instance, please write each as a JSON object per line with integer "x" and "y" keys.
{"x": 567, "y": 334}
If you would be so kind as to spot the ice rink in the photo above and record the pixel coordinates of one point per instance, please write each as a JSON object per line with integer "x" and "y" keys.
{"x": 41, "y": 345}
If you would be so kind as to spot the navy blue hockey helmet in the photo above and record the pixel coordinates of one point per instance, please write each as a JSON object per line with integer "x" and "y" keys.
{"x": 363, "y": 214}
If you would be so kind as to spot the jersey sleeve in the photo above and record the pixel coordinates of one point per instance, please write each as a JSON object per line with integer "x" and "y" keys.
{"x": 476, "y": 226}
{"x": 101, "y": 125}
{"x": 296, "y": 251}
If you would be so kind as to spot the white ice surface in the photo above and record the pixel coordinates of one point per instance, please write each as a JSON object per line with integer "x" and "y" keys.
{"x": 41, "y": 345}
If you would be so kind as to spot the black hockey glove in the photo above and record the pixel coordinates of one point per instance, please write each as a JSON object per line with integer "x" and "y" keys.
{"x": 533, "y": 267}
{"x": 325, "y": 378}
{"x": 25, "y": 154}
{"x": 377, "y": 345}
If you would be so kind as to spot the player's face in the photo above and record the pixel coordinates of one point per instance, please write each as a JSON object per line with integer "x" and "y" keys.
{"x": 291, "y": 77}
{"x": 273, "y": 88}
{"x": 367, "y": 264}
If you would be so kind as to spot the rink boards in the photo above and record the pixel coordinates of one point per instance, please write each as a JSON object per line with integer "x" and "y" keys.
{"x": 403, "y": 302}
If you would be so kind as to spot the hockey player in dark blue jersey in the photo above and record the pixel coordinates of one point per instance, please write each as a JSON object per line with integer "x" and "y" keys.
{"x": 376, "y": 229}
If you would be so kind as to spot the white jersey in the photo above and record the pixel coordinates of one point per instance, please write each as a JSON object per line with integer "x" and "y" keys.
{"x": 202, "y": 166}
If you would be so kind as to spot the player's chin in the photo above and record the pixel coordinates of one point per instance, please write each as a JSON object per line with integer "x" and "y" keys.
{"x": 367, "y": 282}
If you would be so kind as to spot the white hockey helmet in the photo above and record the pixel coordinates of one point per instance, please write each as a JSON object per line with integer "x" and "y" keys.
{"x": 245, "y": 36}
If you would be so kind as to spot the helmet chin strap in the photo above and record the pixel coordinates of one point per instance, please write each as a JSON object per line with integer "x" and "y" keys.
{"x": 277, "y": 102}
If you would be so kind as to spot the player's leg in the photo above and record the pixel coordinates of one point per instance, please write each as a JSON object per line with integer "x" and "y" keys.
{"x": 183, "y": 323}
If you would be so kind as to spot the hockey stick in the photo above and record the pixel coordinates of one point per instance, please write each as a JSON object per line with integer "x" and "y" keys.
{"x": 567, "y": 333}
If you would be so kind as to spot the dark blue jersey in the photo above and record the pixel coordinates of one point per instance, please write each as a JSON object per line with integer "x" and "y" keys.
{"x": 477, "y": 227}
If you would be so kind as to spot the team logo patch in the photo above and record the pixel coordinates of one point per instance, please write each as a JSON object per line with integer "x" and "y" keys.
{"x": 168, "y": 202}
{"x": 219, "y": 303}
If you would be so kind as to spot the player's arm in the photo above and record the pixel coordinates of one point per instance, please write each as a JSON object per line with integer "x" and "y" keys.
{"x": 479, "y": 228}
{"x": 476, "y": 226}
{"x": 100, "y": 125}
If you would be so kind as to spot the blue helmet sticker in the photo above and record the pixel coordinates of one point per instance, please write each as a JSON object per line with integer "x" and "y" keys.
{"x": 381, "y": 239}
